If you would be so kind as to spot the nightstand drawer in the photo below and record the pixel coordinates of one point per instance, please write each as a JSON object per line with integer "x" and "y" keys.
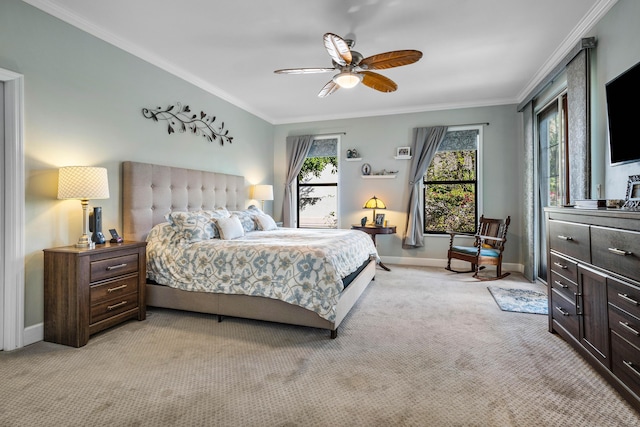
{"x": 570, "y": 239}
{"x": 114, "y": 289}
{"x": 616, "y": 250}
{"x": 113, "y": 267}
{"x": 113, "y": 307}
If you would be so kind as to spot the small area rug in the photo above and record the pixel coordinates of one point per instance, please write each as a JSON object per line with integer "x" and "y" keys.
{"x": 519, "y": 300}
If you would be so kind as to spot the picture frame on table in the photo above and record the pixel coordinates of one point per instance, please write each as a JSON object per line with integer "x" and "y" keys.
{"x": 379, "y": 220}
{"x": 632, "y": 201}
{"x": 403, "y": 151}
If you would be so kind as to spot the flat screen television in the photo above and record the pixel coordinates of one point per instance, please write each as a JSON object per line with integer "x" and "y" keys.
{"x": 623, "y": 112}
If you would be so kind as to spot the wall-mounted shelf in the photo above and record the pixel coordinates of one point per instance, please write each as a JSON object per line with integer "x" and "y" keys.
{"x": 377, "y": 176}
{"x": 402, "y": 157}
{"x": 353, "y": 159}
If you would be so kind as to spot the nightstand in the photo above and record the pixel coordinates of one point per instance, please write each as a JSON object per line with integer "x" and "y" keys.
{"x": 89, "y": 290}
{"x": 373, "y": 231}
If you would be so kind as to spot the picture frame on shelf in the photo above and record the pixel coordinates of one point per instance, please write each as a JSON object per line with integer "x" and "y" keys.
{"x": 403, "y": 152}
{"x": 379, "y": 220}
{"x": 632, "y": 201}
{"x": 366, "y": 169}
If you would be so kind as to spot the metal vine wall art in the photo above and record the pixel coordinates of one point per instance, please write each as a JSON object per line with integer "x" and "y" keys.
{"x": 181, "y": 118}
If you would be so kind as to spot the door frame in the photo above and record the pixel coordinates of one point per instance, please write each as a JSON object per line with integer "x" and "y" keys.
{"x": 13, "y": 222}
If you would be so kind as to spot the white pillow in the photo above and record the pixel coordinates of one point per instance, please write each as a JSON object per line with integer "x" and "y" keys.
{"x": 229, "y": 228}
{"x": 265, "y": 222}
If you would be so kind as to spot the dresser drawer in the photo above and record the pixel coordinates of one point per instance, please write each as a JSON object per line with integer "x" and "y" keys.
{"x": 570, "y": 239}
{"x": 113, "y": 307}
{"x": 564, "y": 266}
{"x": 625, "y": 362}
{"x": 625, "y": 325}
{"x": 114, "y": 289}
{"x": 113, "y": 267}
{"x": 616, "y": 250}
{"x": 563, "y": 311}
{"x": 564, "y": 286}
{"x": 624, "y": 296}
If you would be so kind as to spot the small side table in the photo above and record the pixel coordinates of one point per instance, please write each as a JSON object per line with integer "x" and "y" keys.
{"x": 373, "y": 231}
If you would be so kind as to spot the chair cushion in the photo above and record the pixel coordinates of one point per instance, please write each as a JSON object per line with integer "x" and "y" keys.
{"x": 472, "y": 250}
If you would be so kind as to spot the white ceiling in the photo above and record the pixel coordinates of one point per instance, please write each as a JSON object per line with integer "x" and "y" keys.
{"x": 476, "y": 52}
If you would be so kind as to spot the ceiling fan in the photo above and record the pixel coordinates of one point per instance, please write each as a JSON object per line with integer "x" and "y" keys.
{"x": 353, "y": 68}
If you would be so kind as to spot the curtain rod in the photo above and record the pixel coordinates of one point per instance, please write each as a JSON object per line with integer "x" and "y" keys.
{"x": 329, "y": 134}
{"x": 470, "y": 124}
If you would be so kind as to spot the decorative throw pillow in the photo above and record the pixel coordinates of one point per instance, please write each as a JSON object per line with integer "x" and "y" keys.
{"x": 265, "y": 222}
{"x": 255, "y": 210}
{"x": 215, "y": 214}
{"x": 192, "y": 226}
{"x": 230, "y": 228}
{"x": 246, "y": 218}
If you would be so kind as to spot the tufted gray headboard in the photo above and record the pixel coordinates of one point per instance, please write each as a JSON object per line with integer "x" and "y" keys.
{"x": 149, "y": 192}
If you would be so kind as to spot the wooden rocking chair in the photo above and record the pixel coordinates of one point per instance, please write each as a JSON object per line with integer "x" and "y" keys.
{"x": 486, "y": 250}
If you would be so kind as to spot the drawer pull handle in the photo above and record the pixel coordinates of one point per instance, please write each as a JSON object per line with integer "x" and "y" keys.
{"x": 117, "y": 288}
{"x": 619, "y": 252}
{"x": 629, "y": 328}
{"x": 115, "y": 267}
{"x": 114, "y": 306}
{"x": 563, "y": 311}
{"x": 631, "y": 366}
{"x": 559, "y": 283}
{"x": 561, "y": 237}
{"x": 562, "y": 266}
{"x": 627, "y": 299}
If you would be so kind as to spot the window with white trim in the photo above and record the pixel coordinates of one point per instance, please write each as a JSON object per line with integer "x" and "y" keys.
{"x": 451, "y": 183}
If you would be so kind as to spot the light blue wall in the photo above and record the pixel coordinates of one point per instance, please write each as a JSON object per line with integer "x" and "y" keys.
{"x": 618, "y": 50}
{"x": 376, "y": 139}
{"x": 83, "y": 101}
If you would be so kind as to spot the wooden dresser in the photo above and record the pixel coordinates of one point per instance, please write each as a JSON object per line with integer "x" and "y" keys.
{"x": 88, "y": 290}
{"x": 594, "y": 289}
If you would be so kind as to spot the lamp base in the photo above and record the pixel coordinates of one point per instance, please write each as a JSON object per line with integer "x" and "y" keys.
{"x": 84, "y": 242}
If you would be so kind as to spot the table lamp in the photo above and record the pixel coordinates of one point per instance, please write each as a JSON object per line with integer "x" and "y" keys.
{"x": 374, "y": 203}
{"x": 84, "y": 183}
{"x": 263, "y": 192}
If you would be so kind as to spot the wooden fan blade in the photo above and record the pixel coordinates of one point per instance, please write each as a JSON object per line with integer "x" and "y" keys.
{"x": 392, "y": 59}
{"x": 337, "y": 48}
{"x": 378, "y": 82}
{"x": 328, "y": 89}
{"x": 304, "y": 70}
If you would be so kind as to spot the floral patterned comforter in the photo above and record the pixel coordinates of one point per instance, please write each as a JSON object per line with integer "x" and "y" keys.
{"x": 299, "y": 266}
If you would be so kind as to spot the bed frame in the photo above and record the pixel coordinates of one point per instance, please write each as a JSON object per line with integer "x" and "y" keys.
{"x": 151, "y": 191}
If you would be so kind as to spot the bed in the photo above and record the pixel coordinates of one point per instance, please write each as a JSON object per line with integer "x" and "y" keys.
{"x": 150, "y": 192}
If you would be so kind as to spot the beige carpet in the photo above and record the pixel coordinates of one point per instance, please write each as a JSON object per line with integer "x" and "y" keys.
{"x": 423, "y": 347}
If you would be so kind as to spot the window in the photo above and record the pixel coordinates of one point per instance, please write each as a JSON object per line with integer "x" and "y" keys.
{"x": 553, "y": 167}
{"x": 318, "y": 186}
{"x": 451, "y": 183}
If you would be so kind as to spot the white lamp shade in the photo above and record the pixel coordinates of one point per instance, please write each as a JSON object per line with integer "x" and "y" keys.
{"x": 263, "y": 192}
{"x": 83, "y": 182}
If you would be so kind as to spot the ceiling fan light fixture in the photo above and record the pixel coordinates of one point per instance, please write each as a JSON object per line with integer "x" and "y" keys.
{"x": 347, "y": 79}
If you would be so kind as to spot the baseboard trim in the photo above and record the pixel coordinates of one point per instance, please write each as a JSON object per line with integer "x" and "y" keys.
{"x": 33, "y": 334}
{"x": 437, "y": 262}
